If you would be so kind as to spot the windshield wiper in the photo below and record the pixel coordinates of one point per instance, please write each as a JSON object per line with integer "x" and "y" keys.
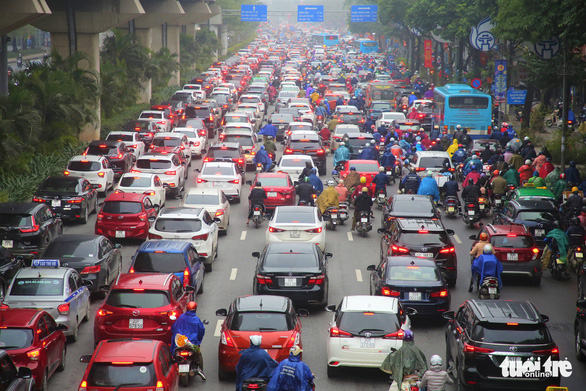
{"x": 363, "y": 330}
{"x": 126, "y": 385}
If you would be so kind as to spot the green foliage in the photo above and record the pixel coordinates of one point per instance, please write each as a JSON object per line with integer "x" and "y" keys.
{"x": 164, "y": 65}
{"x": 575, "y": 147}
{"x": 537, "y": 119}
{"x": 115, "y": 122}
{"x": 205, "y": 50}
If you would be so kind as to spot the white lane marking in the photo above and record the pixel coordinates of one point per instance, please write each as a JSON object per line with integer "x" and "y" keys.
{"x": 358, "y": 275}
{"x": 350, "y": 238}
{"x": 233, "y": 273}
{"x": 218, "y": 327}
{"x": 243, "y": 235}
{"x": 457, "y": 238}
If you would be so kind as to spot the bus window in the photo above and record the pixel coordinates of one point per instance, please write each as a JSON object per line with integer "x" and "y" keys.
{"x": 468, "y": 102}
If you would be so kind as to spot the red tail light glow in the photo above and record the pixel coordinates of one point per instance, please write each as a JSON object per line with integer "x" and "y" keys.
{"x": 399, "y": 334}
{"x": 386, "y": 291}
{"x": 475, "y": 349}
{"x": 91, "y": 269}
{"x": 63, "y": 309}
{"x": 442, "y": 293}
{"x": 264, "y": 280}
{"x": 336, "y": 332}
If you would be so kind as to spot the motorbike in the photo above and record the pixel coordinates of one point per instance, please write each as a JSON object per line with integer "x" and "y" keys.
{"x": 510, "y": 191}
{"x": 404, "y": 109}
{"x": 558, "y": 267}
{"x": 331, "y": 217}
{"x": 342, "y": 212}
{"x": 471, "y": 213}
{"x": 255, "y": 384}
{"x": 398, "y": 169}
{"x": 451, "y": 206}
{"x": 381, "y": 199}
{"x": 576, "y": 258}
{"x": 390, "y": 171}
{"x": 497, "y": 202}
{"x": 363, "y": 225}
{"x": 257, "y": 215}
{"x": 489, "y": 289}
{"x": 409, "y": 383}
{"x": 483, "y": 206}
{"x": 188, "y": 362}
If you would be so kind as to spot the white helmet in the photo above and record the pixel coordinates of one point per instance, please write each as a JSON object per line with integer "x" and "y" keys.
{"x": 256, "y": 340}
{"x": 527, "y": 162}
{"x": 487, "y": 249}
{"x": 435, "y": 361}
{"x": 458, "y": 126}
{"x": 331, "y": 182}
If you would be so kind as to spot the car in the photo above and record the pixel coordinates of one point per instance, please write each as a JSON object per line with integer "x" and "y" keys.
{"x": 418, "y": 104}
{"x": 58, "y": 290}
{"x": 213, "y": 200}
{"x": 148, "y": 184}
{"x": 281, "y": 122}
{"x": 158, "y": 117}
{"x": 209, "y": 116}
{"x": 537, "y": 215}
{"x": 27, "y": 228}
{"x": 71, "y": 197}
{"x": 250, "y": 98}
{"x": 279, "y": 188}
{"x": 580, "y": 329}
{"x": 418, "y": 283}
{"x": 224, "y": 175}
{"x": 15, "y": 379}
{"x": 117, "y": 153}
{"x": 235, "y": 117}
{"x": 425, "y": 117}
{"x": 435, "y": 161}
{"x": 246, "y": 140}
{"x": 9, "y": 265}
{"x": 528, "y": 193}
{"x": 296, "y": 224}
{"x": 238, "y": 128}
{"x": 482, "y": 333}
{"x": 366, "y": 168}
{"x": 307, "y": 143}
{"x": 224, "y": 152}
{"x": 273, "y": 317}
{"x": 96, "y": 169}
{"x": 409, "y": 206}
{"x": 389, "y": 118}
{"x": 224, "y": 101}
{"x": 353, "y": 117}
{"x": 177, "y": 143}
{"x": 125, "y": 215}
{"x": 131, "y": 138}
{"x": 167, "y": 167}
{"x": 422, "y": 238}
{"x": 363, "y": 330}
{"x": 298, "y": 271}
{"x": 299, "y": 126}
{"x": 194, "y": 225}
{"x": 293, "y": 165}
{"x": 340, "y": 131}
{"x": 377, "y": 107}
{"x": 357, "y": 142}
{"x": 254, "y": 109}
{"x": 479, "y": 145}
{"x": 146, "y": 129}
{"x": 94, "y": 257}
{"x": 147, "y": 362}
{"x": 515, "y": 248}
{"x": 408, "y": 125}
{"x": 197, "y": 140}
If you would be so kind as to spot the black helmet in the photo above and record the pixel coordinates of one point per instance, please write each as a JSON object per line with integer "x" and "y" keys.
{"x": 575, "y": 221}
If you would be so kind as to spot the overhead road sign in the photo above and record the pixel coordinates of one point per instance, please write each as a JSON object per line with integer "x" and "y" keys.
{"x": 364, "y": 13}
{"x": 310, "y": 13}
{"x": 253, "y": 13}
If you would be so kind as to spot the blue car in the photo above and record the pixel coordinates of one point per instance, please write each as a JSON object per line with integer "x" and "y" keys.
{"x": 170, "y": 256}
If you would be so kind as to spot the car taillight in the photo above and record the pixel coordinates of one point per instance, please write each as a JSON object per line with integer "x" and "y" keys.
{"x": 320, "y": 151}
{"x": 386, "y": 291}
{"x": 399, "y": 334}
{"x": 275, "y": 230}
{"x": 186, "y": 275}
{"x": 264, "y": 280}
{"x": 202, "y": 132}
{"x": 549, "y": 352}
{"x": 34, "y": 355}
{"x": 101, "y": 174}
{"x": 63, "y": 308}
{"x": 418, "y": 169}
{"x": 207, "y": 159}
{"x": 227, "y": 340}
{"x": 442, "y": 293}
{"x": 171, "y": 172}
{"x": 159, "y": 386}
{"x": 200, "y": 237}
{"x": 317, "y": 280}
{"x": 83, "y": 386}
{"x": 199, "y": 180}
{"x": 448, "y": 250}
{"x": 142, "y": 217}
{"x": 103, "y": 312}
{"x": 211, "y": 117}
{"x": 196, "y": 143}
{"x": 91, "y": 269}
{"x": 399, "y": 249}
{"x": 36, "y": 199}
{"x": 314, "y": 230}
{"x": 33, "y": 228}
{"x": 149, "y": 193}
{"x": 154, "y": 236}
{"x": 288, "y": 150}
{"x": 475, "y": 349}
{"x": 75, "y": 200}
{"x": 336, "y": 332}
{"x": 100, "y": 216}
{"x": 220, "y": 212}
{"x": 135, "y": 170}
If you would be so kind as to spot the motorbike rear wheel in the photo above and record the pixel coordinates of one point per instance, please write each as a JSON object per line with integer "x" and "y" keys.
{"x": 184, "y": 379}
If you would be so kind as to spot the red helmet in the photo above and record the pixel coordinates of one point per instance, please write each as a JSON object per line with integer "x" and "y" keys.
{"x": 191, "y": 306}
{"x": 562, "y": 176}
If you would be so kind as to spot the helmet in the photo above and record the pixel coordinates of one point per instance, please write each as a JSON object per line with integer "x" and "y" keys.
{"x": 335, "y": 172}
{"x": 487, "y": 249}
{"x": 460, "y": 146}
{"x": 418, "y": 138}
{"x": 258, "y": 184}
{"x": 406, "y": 162}
{"x": 256, "y": 340}
{"x": 575, "y": 221}
{"x": 270, "y": 121}
{"x": 342, "y": 144}
{"x": 381, "y": 169}
{"x": 483, "y": 236}
{"x": 352, "y": 168}
{"x": 341, "y": 182}
{"x": 269, "y": 137}
{"x": 510, "y": 126}
{"x": 365, "y": 189}
{"x": 191, "y": 306}
{"x": 473, "y": 167}
{"x": 429, "y": 173}
{"x": 436, "y": 361}
{"x": 262, "y": 147}
{"x": 362, "y": 179}
{"x": 436, "y": 127}
{"x": 526, "y": 138}
{"x": 495, "y": 172}
{"x": 505, "y": 124}
{"x": 367, "y": 145}
{"x": 295, "y": 350}
{"x": 408, "y": 335}
{"x": 306, "y": 179}
{"x": 528, "y": 162}
{"x": 458, "y": 127}
{"x": 562, "y": 176}
{"x": 574, "y": 189}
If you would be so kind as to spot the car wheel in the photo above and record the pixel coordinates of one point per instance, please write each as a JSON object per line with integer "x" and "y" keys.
{"x": 578, "y": 345}
{"x": 451, "y": 283}
{"x": 86, "y": 215}
{"x": 223, "y": 375}
{"x": 208, "y": 267}
{"x": 45, "y": 382}
{"x": 96, "y": 205}
{"x": 200, "y": 290}
{"x": 73, "y": 337}
{"x": 87, "y": 313}
{"x": 333, "y": 371}
{"x": 536, "y": 281}
{"x": 61, "y": 366}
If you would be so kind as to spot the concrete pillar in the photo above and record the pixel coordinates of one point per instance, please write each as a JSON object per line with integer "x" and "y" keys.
{"x": 157, "y": 38}
{"x": 224, "y": 40}
{"x": 173, "y": 43}
{"x": 190, "y": 29}
{"x": 145, "y": 38}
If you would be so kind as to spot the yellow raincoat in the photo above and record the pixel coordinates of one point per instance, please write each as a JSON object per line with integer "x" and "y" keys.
{"x": 328, "y": 197}
{"x": 453, "y": 148}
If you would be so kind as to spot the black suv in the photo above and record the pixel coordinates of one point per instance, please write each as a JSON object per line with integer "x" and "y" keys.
{"x": 306, "y": 144}
{"x": 26, "y": 228}
{"x": 227, "y": 152}
{"x": 357, "y": 142}
{"x": 146, "y": 129}
{"x": 483, "y": 333}
{"x": 117, "y": 153}
{"x": 422, "y": 238}
{"x": 580, "y": 329}
{"x": 409, "y": 206}
{"x": 9, "y": 266}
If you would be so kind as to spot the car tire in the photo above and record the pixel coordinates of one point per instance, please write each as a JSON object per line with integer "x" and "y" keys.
{"x": 451, "y": 283}
{"x": 208, "y": 267}
{"x": 578, "y": 345}
{"x": 96, "y": 205}
{"x": 223, "y": 375}
{"x": 73, "y": 337}
{"x": 200, "y": 290}
{"x": 45, "y": 382}
{"x": 536, "y": 281}
{"x": 63, "y": 360}
{"x": 86, "y": 215}
{"x": 87, "y": 314}
{"x": 333, "y": 371}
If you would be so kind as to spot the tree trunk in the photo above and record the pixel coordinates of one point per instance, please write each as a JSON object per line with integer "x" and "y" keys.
{"x": 527, "y": 107}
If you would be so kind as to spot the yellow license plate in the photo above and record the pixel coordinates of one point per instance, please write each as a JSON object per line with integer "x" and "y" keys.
{"x": 555, "y": 388}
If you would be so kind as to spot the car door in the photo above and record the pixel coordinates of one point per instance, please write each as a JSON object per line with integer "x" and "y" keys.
{"x": 377, "y": 277}
{"x": 9, "y": 265}
{"x": 196, "y": 266}
{"x": 212, "y": 227}
{"x": 149, "y": 208}
{"x": 79, "y": 295}
{"x": 54, "y": 342}
{"x": 169, "y": 369}
{"x": 90, "y": 194}
{"x": 159, "y": 190}
{"x": 458, "y": 330}
{"x": 105, "y": 253}
{"x": 109, "y": 172}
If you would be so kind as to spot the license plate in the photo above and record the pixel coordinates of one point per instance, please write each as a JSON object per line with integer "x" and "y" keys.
{"x": 492, "y": 291}
{"x": 334, "y": 215}
{"x": 579, "y": 255}
{"x": 56, "y": 203}
{"x": 367, "y": 343}
{"x": 364, "y": 220}
{"x": 512, "y": 257}
{"x": 389, "y": 173}
{"x": 120, "y": 234}
{"x": 290, "y": 282}
{"x": 294, "y": 234}
{"x": 272, "y": 194}
{"x": 470, "y": 213}
{"x": 424, "y": 255}
{"x": 135, "y": 323}
{"x": 539, "y": 232}
{"x": 7, "y": 243}
{"x": 451, "y": 209}
{"x": 497, "y": 202}
{"x": 481, "y": 206}
{"x": 257, "y": 212}
{"x": 415, "y": 296}
{"x": 183, "y": 368}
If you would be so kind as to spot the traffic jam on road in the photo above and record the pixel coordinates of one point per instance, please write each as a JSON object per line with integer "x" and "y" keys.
{"x": 374, "y": 222}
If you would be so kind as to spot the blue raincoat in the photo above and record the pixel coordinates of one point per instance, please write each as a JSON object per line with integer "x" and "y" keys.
{"x": 380, "y": 180}
{"x": 487, "y": 265}
{"x": 188, "y": 324}
{"x": 254, "y": 362}
{"x": 316, "y": 183}
{"x": 268, "y": 130}
{"x": 473, "y": 162}
{"x": 388, "y": 159}
{"x": 419, "y": 147}
{"x": 342, "y": 154}
{"x": 428, "y": 186}
{"x": 263, "y": 158}
{"x": 367, "y": 154}
{"x": 405, "y": 145}
{"x": 459, "y": 156}
{"x": 292, "y": 374}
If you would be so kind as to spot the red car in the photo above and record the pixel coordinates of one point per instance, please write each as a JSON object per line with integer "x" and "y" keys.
{"x": 366, "y": 168}
{"x": 141, "y": 305}
{"x": 33, "y": 340}
{"x": 279, "y": 188}
{"x": 145, "y": 363}
{"x": 125, "y": 215}
{"x": 273, "y": 317}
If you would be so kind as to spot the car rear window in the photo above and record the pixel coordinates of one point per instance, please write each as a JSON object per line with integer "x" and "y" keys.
{"x": 60, "y": 185}
{"x": 293, "y": 163}
{"x": 286, "y": 118}
{"x": 418, "y": 207}
{"x": 300, "y": 127}
{"x": 290, "y": 261}
{"x": 130, "y": 298}
{"x": 102, "y": 150}
{"x": 511, "y": 334}
{"x": 233, "y": 118}
{"x": 195, "y": 123}
{"x": 377, "y": 323}
{"x": 426, "y": 239}
{"x": 350, "y": 116}
{"x": 120, "y": 137}
{"x": 84, "y": 166}
{"x": 274, "y": 181}
{"x": 159, "y": 115}
{"x": 221, "y": 170}
{"x": 188, "y": 133}
{"x": 37, "y": 287}
{"x": 413, "y": 273}
{"x": 260, "y": 321}
{"x": 159, "y": 262}
{"x": 244, "y": 141}
{"x": 166, "y": 141}
{"x": 202, "y": 199}
{"x": 250, "y": 99}
{"x": 153, "y": 164}
{"x": 359, "y": 142}
{"x": 365, "y": 167}
{"x": 113, "y": 375}
{"x": 432, "y": 162}
{"x": 511, "y": 241}
{"x": 229, "y": 153}
{"x": 15, "y": 220}
{"x": 122, "y": 207}
{"x": 177, "y": 225}
{"x": 15, "y": 338}
{"x": 135, "y": 181}
{"x": 71, "y": 249}
{"x": 409, "y": 127}
{"x": 295, "y": 217}
{"x": 535, "y": 215}
{"x": 304, "y": 145}
{"x": 203, "y": 112}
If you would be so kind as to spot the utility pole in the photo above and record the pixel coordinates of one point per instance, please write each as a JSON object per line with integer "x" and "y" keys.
{"x": 564, "y": 112}
{"x": 3, "y": 65}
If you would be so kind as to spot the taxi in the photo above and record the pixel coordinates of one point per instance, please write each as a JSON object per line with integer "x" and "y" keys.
{"x": 529, "y": 192}
{"x": 58, "y": 290}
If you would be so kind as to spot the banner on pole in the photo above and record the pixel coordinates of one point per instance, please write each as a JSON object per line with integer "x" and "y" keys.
{"x": 428, "y": 53}
{"x": 500, "y": 80}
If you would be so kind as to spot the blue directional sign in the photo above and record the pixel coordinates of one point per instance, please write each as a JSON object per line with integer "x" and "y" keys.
{"x": 516, "y": 97}
{"x": 364, "y": 13}
{"x": 310, "y": 13}
{"x": 253, "y": 13}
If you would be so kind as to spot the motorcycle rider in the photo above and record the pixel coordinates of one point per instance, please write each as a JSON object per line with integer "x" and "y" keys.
{"x": 263, "y": 158}
{"x": 316, "y": 182}
{"x": 380, "y": 181}
{"x": 575, "y": 234}
{"x": 407, "y": 360}
{"x": 479, "y": 246}
{"x": 486, "y": 154}
{"x": 254, "y": 362}
{"x": 305, "y": 191}
{"x": 473, "y": 160}
{"x": 189, "y": 325}
{"x": 459, "y": 155}
{"x": 268, "y": 130}
{"x": 546, "y": 168}
{"x": 435, "y": 379}
{"x": 573, "y": 205}
{"x": 362, "y": 203}
{"x": 328, "y": 198}
{"x": 516, "y": 160}
{"x": 498, "y": 184}
{"x": 342, "y": 191}
{"x": 458, "y": 133}
{"x": 486, "y": 265}
{"x": 388, "y": 159}
{"x": 451, "y": 189}
{"x": 410, "y": 183}
{"x": 472, "y": 175}
{"x": 556, "y": 240}
{"x": 526, "y": 171}
{"x": 256, "y": 198}
{"x": 428, "y": 186}
{"x": 511, "y": 176}
{"x": 292, "y": 374}
{"x": 572, "y": 174}
{"x": 397, "y": 150}
{"x": 341, "y": 155}
{"x": 559, "y": 187}
{"x": 359, "y": 187}
{"x": 367, "y": 153}
{"x": 352, "y": 179}
{"x": 306, "y": 171}
{"x": 270, "y": 146}
{"x": 465, "y": 139}
{"x": 471, "y": 193}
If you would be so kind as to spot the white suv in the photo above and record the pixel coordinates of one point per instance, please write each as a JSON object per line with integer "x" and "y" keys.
{"x": 158, "y": 118}
{"x": 168, "y": 167}
{"x": 96, "y": 169}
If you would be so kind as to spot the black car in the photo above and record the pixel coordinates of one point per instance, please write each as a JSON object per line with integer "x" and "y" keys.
{"x": 13, "y": 378}
{"x": 417, "y": 283}
{"x": 146, "y": 130}
{"x": 94, "y": 257}
{"x": 209, "y": 116}
{"x": 117, "y": 153}
{"x": 73, "y": 198}
{"x": 580, "y": 329}
{"x": 281, "y": 121}
{"x": 422, "y": 238}
{"x": 9, "y": 265}
{"x": 538, "y": 216}
{"x": 304, "y": 144}
{"x": 26, "y": 228}
{"x": 409, "y": 206}
{"x": 355, "y": 118}
{"x": 295, "y": 270}
{"x": 357, "y": 142}
{"x": 225, "y": 152}
{"x": 483, "y": 333}
{"x": 377, "y": 107}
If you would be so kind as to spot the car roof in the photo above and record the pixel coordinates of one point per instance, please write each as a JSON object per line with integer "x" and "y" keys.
{"x": 18, "y": 207}
{"x": 262, "y": 303}
{"x": 169, "y": 246}
{"x": 108, "y": 143}
{"x": 441, "y": 154}
{"x": 227, "y": 145}
{"x": 178, "y": 211}
{"x": 410, "y": 261}
{"x": 129, "y": 197}
{"x": 361, "y": 161}
{"x": 505, "y": 311}
{"x": 533, "y": 204}
{"x": 302, "y": 157}
{"x": 158, "y": 156}
{"x": 272, "y": 175}
{"x": 78, "y": 238}
{"x": 42, "y": 272}
{"x": 138, "y": 175}
{"x": 291, "y": 247}
{"x": 204, "y": 190}
{"x": 218, "y": 164}
{"x": 299, "y": 135}
{"x": 419, "y": 224}
{"x": 361, "y": 303}
{"x": 169, "y": 134}
{"x": 18, "y": 317}
{"x": 296, "y": 209}
{"x": 127, "y": 350}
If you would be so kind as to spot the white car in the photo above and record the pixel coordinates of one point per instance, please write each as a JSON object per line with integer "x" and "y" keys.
{"x": 197, "y": 140}
{"x": 297, "y": 224}
{"x": 258, "y": 114}
{"x": 171, "y": 142}
{"x": 222, "y": 175}
{"x": 168, "y": 167}
{"x": 235, "y": 117}
{"x": 149, "y": 184}
{"x": 424, "y": 161}
{"x": 131, "y": 139}
{"x": 363, "y": 331}
{"x": 158, "y": 118}
{"x": 306, "y": 111}
{"x": 250, "y": 98}
{"x": 247, "y": 142}
{"x": 294, "y": 165}
{"x": 96, "y": 169}
{"x": 193, "y": 225}
{"x": 211, "y": 199}
{"x": 195, "y": 87}
{"x": 238, "y": 128}
{"x": 296, "y": 126}
{"x": 387, "y": 118}
{"x": 340, "y": 131}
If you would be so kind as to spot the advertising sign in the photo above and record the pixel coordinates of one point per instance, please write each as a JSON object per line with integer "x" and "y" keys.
{"x": 428, "y": 53}
{"x": 500, "y": 80}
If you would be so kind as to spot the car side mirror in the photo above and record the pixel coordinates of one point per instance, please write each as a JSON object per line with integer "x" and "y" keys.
{"x": 448, "y": 315}
{"x": 472, "y": 237}
{"x": 381, "y": 230}
{"x": 104, "y": 288}
{"x": 328, "y": 255}
{"x": 156, "y": 208}
{"x": 86, "y": 358}
{"x": 371, "y": 268}
{"x": 189, "y": 289}
{"x": 302, "y": 312}
{"x": 221, "y": 312}
{"x": 117, "y": 245}
{"x": 410, "y": 311}
{"x": 25, "y": 372}
{"x": 330, "y": 308}
{"x": 545, "y": 318}
{"x": 191, "y": 143}
{"x": 451, "y": 232}
{"x": 152, "y": 219}
{"x": 88, "y": 283}
{"x": 256, "y": 254}
{"x": 62, "y": 327}
{"x": 581, "y": 303}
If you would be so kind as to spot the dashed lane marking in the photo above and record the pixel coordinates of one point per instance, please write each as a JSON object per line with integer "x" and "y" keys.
{"x": 350, "y": 238}
{"x": 358, "y": 275}
{"x": 218, "y": 327}
{"x": 457, "y": 238}
{"x": 233, "y": 273}
{"x": 243, "y": 235}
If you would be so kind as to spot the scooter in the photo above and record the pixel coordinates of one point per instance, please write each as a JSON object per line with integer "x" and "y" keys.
{"x": 483, "y": 206}
{"x": 489, "y": 289}
{"x": 257, "y": 215}
{"x": 409, "y": 383}
{"x": 342, "y": 212}
{"x": 558, "y": 267}
{"x": 188, "y": 364}
{"x": 331, "y": 217}
{"x": 471, "y": 214}
{"x": 397, "y": 170}
{"x": 497, "y": 203}
{"x": 381, "y": 199}
{"x": 390, "y": 175}
{"x": 363, "y": 225}
{"x": 451, "y": 206}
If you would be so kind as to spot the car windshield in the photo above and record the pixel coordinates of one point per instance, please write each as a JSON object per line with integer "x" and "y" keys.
{"x": 365, "y": 167}
{"x": 120, "y": 137}
{"x": 295, "y": 217}
{"x": 511, "y": 241}
{"x": 71, "y": 249}
{"x": 535, "y": 215}
{"x": 166, "y": 141}
{"x": 55, "y": 185}
{"x": 290, "y": 261}
{"x": 274, "y": 181}
{"x": 122, "y": 207}
{"x": 102, "y": 150}
{"x": 413, "y": 127}
{"x": 244, "y": 141}
{"x": 293, "y": 162}
{"x": 511, "y": 334}
{"x": 84, "y": 166}
{"x": 135, "y": 181}
{"x": 15, "y": 338}
{"x": 424, "y": 239}
{"x": 218, "y": 170}
{"x": 202, "y": 199}
{"x": 15, "y": 220}
{"x": 188, "y": 133}
{"x": 104, "y": 374}
{"x": 432, "y": 162}
{"x": 359, "y": 142}
{"x": 159, "y": 262}
{"x": 377, "y": 323}
{"x": 480, "y": 145}
{"x": 413, "y": 273}
{"x": 153, "y": 164}
{"x": 37, "y": 287}
{"x": 260, "y": 321}
{"x": 179, "y": 225}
